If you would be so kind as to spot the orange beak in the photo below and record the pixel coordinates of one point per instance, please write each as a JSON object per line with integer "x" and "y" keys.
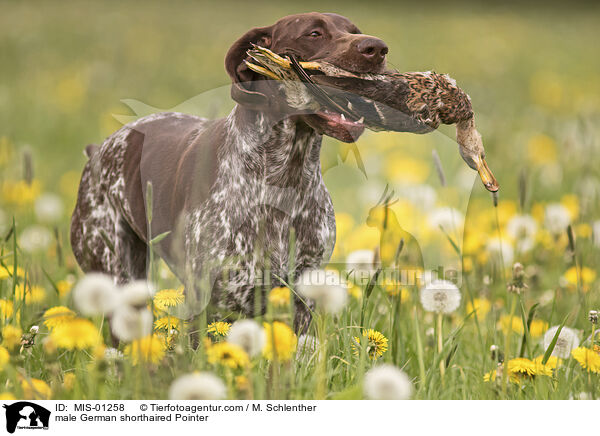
{"x": 488, "y": 179}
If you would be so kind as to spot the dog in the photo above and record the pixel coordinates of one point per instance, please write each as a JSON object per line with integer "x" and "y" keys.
{"x": 234, "y": 201}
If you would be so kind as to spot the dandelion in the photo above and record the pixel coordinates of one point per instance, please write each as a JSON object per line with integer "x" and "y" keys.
{"x": 386, "y": 382}
{"x": 7, "y": 396}
{"x": 280, "y": 296}
{"x": 112, "y": 354}
{"x": 35, "y": 389}
{"x": 48, "y": 208}
{"x": 95, "y": 294}
{"x": 377, "y": 344}
{"x": 522, "y": 229}
{"x": 249, "y": 335}
{"x": 11, "y": 336}
{"x": 57, "y": 315}
{"x": 537, "y": 328}
{"x": 501, "y": 249}
{"x": 586, "y": 275}
{"x": 167, "y": 298}
{"x": 8, "y": 270}
{"x": 35, "y": 239}
{"x": 325, "y": 287}
{"x": 219, "y": 328}
{"x": 446, "y": 218}
{"x": 31, "y": 294}
{"x": 552, "y": 362}
{"x": 521, "y": 365}
{"x": 556, "y": 218}
{"x": 76, "y": 334}
{"x": 481, "y": 307}
{"x": 362, "y": 264}
{"x": 6, "y": 308}
{"x": 136, "y": 293}
{"x": 167, "y": 323}
{"x": 4, "y": 357}
{"x": 69, "y": 381}
{"x": 150, "y": 349}
{"x": 511, "y": 324}
{"x": 227, "y": 354}
{"x": 281, "y": 338}
{"x": 588, "y": 359}
{"x": 64, "y": 287}
{"x": 129, "y": 323}
{"x": 198, "y": 386}
{"x": 440, "y": 296}
{"x": 566, "y": 342}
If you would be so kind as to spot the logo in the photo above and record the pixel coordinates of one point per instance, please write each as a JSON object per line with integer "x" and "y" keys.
{"x": 26, "y": 415}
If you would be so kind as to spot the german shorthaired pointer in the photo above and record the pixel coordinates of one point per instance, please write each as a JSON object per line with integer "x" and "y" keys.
{"x": 236, "y": 197}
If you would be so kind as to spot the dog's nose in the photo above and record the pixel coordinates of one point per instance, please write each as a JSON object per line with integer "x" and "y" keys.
{"x": 374, "y": 49}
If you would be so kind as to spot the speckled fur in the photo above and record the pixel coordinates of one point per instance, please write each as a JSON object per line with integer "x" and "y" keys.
{"x": 268, "y": 181}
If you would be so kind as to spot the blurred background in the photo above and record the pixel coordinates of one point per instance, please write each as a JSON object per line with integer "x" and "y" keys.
{"x": 533, "y": 74}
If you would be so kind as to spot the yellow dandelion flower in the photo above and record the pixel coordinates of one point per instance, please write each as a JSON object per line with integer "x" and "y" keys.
{"x": 6, "y": 309}
{"x": 11, "y": 336}
{"x": 167, "y": 298}
{"x": 57, "y": 315}
{"x": 537, "y": 328}
{"x": 279, "y": 296}
{"x": 587, "y": 275}
{"x": 150, "y": 349}
{"x": 497, "y": 374}
{"x": 355, "y": 291}
{"x": 35, "y": 389}
{"x": 242, "y": 383}
{"x": 588, "y": 359}
{"x": 280, "y": 337}
{"x": 4, "y": 356}
{"x": 521, "y": 365}
{"x": 541, "y": 149}
{"x": 7, "y": 396}
{"x": 167, "y": 323}
{"x": 552, "y": 362}
{"x": 377, "y": 344}
{"x": 219, "y": 328}
{"x": 20, "y": 193}
{"x": 75, "y": 334}
{"x": 393, "y": 289}
{"x": 481, "y": 306}
{"x": 69, "y": 381}
{"x": 507, "y": 323}
{"x": 7, "y": 271}
{"x": 226, "y": 354}
{"x": 571, "y": 202}
{"x": 583, "y": 230}
{"x": 32, "y": 294}
{"x": 64, "y": 287}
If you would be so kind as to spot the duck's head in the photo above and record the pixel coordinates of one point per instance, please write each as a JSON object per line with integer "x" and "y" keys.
{"x": 470, "y": 146}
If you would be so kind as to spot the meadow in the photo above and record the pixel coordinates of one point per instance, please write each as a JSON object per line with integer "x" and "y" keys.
{"x": 522, "y": 263}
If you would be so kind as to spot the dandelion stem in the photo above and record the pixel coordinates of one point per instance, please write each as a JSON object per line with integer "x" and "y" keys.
{"x": 440, "y": 344}
{"x": 507, "y": 338}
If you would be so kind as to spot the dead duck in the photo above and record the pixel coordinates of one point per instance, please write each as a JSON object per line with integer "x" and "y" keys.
{"x": 416, "y": 102}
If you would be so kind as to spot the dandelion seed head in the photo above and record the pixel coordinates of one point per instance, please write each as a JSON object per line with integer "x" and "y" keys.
{"x": 48, "y": 208}
{"x": 95, "y": 294}
{"x": 386, "y": 382}
{"x": 440, "y": 296}
{"x": 249, "y": 335}
{"x": 35, "y": 239}
{"x": 129, "y": 323}
{"x": 556, "y": 218}
{"x": 136, "y": 293}
{"x": 198, "y": 386}
{"x": 328, "y": 290}
{"x": 566, "y": 342}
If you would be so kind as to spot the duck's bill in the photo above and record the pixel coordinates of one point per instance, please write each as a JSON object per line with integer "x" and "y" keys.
{"x": 488, "y": 179}
{"x": 269, "y": 62}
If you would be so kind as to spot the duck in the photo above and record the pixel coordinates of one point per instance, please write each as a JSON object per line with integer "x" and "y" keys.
{"x": 417, "y": 102}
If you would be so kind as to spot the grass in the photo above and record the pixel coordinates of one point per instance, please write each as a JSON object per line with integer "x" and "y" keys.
{"x": 532, "y": 74}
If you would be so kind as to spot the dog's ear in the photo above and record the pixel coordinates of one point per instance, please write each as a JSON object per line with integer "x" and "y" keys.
{"x": 243, "y": 88}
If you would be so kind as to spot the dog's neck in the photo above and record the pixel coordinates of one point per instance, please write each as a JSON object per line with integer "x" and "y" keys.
{"x": 281, "y": 150}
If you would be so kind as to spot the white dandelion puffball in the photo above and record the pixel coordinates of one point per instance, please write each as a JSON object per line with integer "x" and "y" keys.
{"x": 522, "y": 228}
{"x": 440, "y": 296}
{"x": 445, "y": 217}
{"x": 95, "y": 294}
{"x": 136, "y": 293}
{"x": 249, "y": 335}
{"x": 307, "y": 345}
{"x": 328, "y": 290}
{"x": 35, "y": 238}
{"x": 198, "y": 386}
{"x": 556, "y": 218}
{"x": 386, "y": 382}
{"x": 48, "y": 208}
{"x": 421, "y": 196}
{"x": 501, "y": 248}
{"x": 129, "y": 323}
{"x": 566, "y": 342}
{"x": 362, "y": 264}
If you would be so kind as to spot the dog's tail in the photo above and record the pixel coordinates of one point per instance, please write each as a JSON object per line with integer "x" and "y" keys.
{"x": 90, "y": 150}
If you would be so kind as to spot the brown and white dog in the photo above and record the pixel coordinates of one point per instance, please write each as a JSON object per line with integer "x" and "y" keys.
{"x": 227, "y": 191}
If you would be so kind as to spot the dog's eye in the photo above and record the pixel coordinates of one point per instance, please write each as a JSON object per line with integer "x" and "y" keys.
{"x": 314, "y": 33}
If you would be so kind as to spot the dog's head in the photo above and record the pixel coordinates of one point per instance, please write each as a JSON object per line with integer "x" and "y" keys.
{"x": 309, "y": 37}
